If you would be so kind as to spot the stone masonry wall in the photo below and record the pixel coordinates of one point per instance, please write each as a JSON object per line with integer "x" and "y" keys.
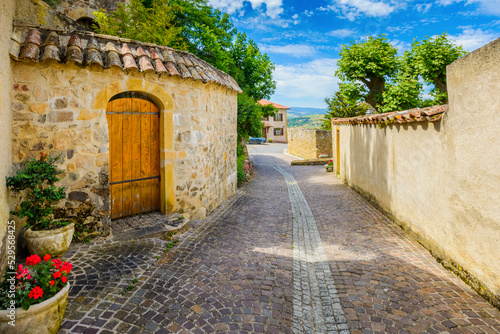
{"x": 309, "y": 143}
{"x": 60, "y": 110}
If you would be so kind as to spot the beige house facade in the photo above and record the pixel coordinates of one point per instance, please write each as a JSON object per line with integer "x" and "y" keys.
{"x": 96, "y": 101}
{"x": 435, "y": 170}
{"x": 275, "y": 127}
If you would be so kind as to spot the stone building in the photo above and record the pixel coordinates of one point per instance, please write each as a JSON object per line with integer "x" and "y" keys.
{"x": 436, "y": 169}
{"x": 138, "y": 126}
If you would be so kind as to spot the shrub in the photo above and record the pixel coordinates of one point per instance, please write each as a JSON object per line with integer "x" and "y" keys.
{"x": 241, "y": 171}
{"x": 38, "y": 177}
{"x": 270, "y": 140}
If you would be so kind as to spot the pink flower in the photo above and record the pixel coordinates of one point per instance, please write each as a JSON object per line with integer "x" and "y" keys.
{"x": 36, "y": 293}
{"x": 33, "y": 260}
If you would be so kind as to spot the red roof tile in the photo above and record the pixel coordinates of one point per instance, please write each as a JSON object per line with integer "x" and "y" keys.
{"x": 279, "y": 106}
{"x": 429, "y": 114}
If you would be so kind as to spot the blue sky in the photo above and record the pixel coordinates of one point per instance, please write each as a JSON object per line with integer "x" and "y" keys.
{"x": 303, "y": 37}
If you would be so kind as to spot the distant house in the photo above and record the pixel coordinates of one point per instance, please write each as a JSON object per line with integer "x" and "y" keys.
{"x": 275, "y": 127}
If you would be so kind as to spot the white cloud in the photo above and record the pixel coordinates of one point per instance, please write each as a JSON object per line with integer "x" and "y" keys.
{"x": 273, "y": 8}
{"x": 295, "y": 50}
{"x": 308, "y": 13}
{"x": 312, "y": 81}
{"x": 486, "y": 7}
{"x": 423, "y": 8}
{"x": 341, "y": 33}
{"x": 352, "y": 9}
{"x": 472, "y": 39}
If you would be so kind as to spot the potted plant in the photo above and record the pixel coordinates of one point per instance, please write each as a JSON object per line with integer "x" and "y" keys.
{"x": 36, "y": 182}
{"x": 33, "y": 299}
{"x": 329, "y": 166}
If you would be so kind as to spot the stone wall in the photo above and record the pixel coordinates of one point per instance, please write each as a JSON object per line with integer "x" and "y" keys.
{"x": 77, "y": 9}
{"x": 7, "y": 8}
{"x": 441, "y": 180}
{"x": 309, "y": 143}
{"x": 61, "y": 110}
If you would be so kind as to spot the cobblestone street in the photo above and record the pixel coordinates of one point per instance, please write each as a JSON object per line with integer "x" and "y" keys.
{"x": 294, "y": 251}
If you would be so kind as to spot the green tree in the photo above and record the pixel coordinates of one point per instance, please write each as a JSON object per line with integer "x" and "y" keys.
{"x": 428, "y": 59}
{"x": 339, "y": 106}
{"x": 249, "y": 117}
{"x": 154, "y": 24}
{"x": 366, "y": 66}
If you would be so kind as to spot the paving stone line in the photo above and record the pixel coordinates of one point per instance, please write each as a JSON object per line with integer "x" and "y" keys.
{"x": 316, "y": 303}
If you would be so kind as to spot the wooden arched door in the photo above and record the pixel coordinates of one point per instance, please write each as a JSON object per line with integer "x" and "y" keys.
{"x": 134, "y": 156}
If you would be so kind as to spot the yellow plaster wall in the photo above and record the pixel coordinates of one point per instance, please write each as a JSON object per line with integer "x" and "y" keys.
{"x": 441, "y": 180}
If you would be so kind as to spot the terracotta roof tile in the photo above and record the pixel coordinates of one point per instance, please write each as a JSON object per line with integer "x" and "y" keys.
{"x": 279, "y": 106}
{"x": 429, "y": 114}
{"x": 86, "y": 48}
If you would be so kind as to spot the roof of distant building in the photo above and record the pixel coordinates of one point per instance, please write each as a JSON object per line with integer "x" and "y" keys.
{"x": 279, "y": 106}
{"x": 43, "y": 44}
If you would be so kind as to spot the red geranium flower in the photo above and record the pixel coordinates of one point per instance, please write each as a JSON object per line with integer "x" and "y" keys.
{"x": 57, "y": 263}
{"x": 52, "y": 282}
{"x": 66, "y": 266}
{"x": 36, "y": 293}
{"x": 57, "y": 274}
{"x": 33, "y": 260}
{"x": 64, "y": 279}
{"x": 46, "y": 258}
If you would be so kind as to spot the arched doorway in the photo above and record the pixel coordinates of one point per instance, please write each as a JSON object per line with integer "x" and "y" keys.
{"x": 134, "y": 154}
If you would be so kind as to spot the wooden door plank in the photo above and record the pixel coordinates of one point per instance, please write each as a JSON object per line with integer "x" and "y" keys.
{"x": 155, "y": 145}
{"x": 155, "y": 194}
{"x": 115, "y": 138}
{"x": 126, "y": 157}
{"x": 146, "y": 195}
{"x": 116, "y": 201}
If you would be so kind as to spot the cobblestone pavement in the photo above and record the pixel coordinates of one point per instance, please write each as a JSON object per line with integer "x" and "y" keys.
{"x": 316, "y": 304}
{"x": 234, "y": 272}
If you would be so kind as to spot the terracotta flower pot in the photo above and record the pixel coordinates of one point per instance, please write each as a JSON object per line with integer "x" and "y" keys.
{"x": 43, "y": 318}
{"x": 53, "y": 242}
{"x": 329, "y": 169}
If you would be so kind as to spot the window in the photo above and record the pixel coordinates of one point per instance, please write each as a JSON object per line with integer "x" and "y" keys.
{"x": 278, "y": 117}
{"x": 278, "y": 132}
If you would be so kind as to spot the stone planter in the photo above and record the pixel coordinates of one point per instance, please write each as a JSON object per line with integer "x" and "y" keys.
{"x": 43, "y": 318}
{"x": 329, "y": 169}
{"x": 53, "y": 242}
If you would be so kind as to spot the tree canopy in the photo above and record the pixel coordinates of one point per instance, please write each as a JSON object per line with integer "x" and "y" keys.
{"x": 339, "y": 106}
{"x": 370, "y": 70}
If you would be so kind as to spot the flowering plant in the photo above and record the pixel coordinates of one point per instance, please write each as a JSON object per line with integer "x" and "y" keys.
{"x": 323, "y": 155}
{"x": 329, "y": 164}
{"x": 34, "y": 282}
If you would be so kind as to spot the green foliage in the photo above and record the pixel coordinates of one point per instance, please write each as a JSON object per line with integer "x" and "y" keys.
{"x": 370, "y": 70}
{"x": 365, "y": 66}
{"x": 37, "y": 178}
{"x": 154, "y": 24}
{"x": 52, "y": 3}
{"x": 240, "y": 171}
{"x": 339, "y": 106}
{"x": 428, "y": 59}
{"x": 249, "y": 116}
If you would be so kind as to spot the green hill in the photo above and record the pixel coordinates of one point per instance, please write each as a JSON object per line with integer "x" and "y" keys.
{"x": 305, "y": 121}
